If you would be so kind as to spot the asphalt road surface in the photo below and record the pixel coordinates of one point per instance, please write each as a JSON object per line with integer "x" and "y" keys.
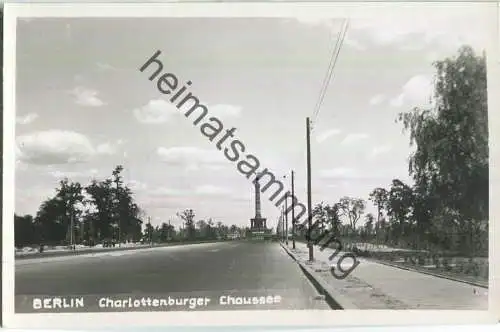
{"x": 231, "y": 275}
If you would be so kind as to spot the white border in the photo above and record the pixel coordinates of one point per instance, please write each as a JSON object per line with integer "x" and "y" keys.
{"x": 250, "y": 318}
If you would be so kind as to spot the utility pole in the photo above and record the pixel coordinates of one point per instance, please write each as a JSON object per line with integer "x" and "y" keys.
{"x": 282, "y": 224}
{"x": 169, "y": 230}
{"x": 71, "y": 230}
{"x": 150, "y": 231}
{"x": 309, "y": 200}
{"x": 293, "y": 212}
{"x": 119, "y": 217}
{"x": 286, "y": 218}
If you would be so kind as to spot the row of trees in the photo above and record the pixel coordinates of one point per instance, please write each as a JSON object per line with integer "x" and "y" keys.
{"x": 447, "y": 206}
{"x": 192, "y": 230}
{"x": 105, "y": 211}
{"x": 100, "y": 211}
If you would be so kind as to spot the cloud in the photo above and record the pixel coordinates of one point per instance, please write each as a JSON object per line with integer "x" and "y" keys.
{"x": 54, "y": 147}
{"x": 223, "y": 110}
{"x": 337, "y": 173}
{"x": 87, "y": 97}
{"x": 26, "y": 119}
{"x": 333, "y": 24}
{"x": 377, "y": 99}
{"x": 378, "y": 150}
{"x": 416, "y": 92}
{"x": 423, "y": 26}
{"x": 397, "y": 101}
{"x": 353, "y": 138}
{"x": 211, "y": 190}
{"x": 105, "y": 67}
{"x": 191, "y": 157}
{"x": 323, "y": 136}
{"x": 353, "y": 43}
{"x": 73, "y": 174}
{"x": 415, "y": 26}
{"x": 155, "y": 112}
{"x": 106, "y": 148}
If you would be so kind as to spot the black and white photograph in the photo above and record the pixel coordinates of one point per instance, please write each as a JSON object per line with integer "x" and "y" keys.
{"x": 166, "y": 164}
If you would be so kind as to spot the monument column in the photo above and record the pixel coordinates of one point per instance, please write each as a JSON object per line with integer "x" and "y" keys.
{"x": 257, "y": 224}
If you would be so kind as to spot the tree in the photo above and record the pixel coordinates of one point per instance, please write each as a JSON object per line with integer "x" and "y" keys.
{"x": 51, "y": 222}
{"x": 211, "y": 232}
{"x": 221, "y": 230}
{"x": 320, "y": 217}
{"x": 149, "y": 230}
{"x": 201, "y": 227}
{"x": 70, "y": 215}
{"x": 167, "y": 232}
{"x": 69, "y": 194}
{"x": 369, "y": 220}
{"x": 327, "y": 216}
{"x": 450, "y": 163}
{"x": 353, "y": 208}
{"x": 25, "y": 232}
{"x": 188, "y": 216}
{"x": 379, "y": 198}
{"x": 102, "y": 218}
{"x": 399, "y": 204}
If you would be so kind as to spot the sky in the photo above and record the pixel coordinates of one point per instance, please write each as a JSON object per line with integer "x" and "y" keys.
{"x": 83, "y": 107}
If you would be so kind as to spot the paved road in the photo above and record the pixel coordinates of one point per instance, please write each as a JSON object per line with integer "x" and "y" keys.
{"x": 212, "y": 270}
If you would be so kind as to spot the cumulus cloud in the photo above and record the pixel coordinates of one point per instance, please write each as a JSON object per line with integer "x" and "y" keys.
{"x": 26, "y": 119}
{"x": 87, "y": 97}
{"x": 417, "y": 91}
{"x": 191, "y": 157}
{"x": 353, "y": 138}
{"x": 416, "y": 26}
{"x": 57, "y": 147}
{"x": 421, "y": 26}
{"x": 73, "y": 174}
{"x": 106, "y": 148}
{"x": 156, "y": 111}
{"x": 53, "y": 147}
{"x": 224, "y": 111}
{"x": 323, "y": 136}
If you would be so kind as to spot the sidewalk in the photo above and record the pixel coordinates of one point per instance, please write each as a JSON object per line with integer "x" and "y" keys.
{"x": 377, "y": 286}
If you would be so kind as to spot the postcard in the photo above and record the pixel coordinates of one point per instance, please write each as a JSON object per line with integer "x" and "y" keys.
{"x": 293, "y": 164}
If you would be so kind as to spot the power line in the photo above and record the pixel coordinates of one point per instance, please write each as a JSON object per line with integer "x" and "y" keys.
{"x": 324, "y": 84}
{"x": 326, "y": 80}
{"x": 331, "y": 67}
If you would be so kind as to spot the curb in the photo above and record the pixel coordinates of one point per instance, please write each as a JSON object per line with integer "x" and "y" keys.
{"x": 75, "y": 252}
{"x": 96, "y": 251}
{"x": 334, "y": 299}
{"x": 437, "y": 275}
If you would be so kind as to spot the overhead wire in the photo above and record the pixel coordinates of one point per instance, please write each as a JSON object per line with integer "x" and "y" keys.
{"x": 331, "y": 67}
{"x": 328, "y": 75}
